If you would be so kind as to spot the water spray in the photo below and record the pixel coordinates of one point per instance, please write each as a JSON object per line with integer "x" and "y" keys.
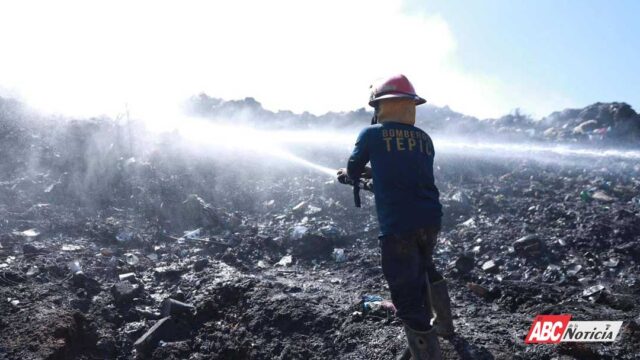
{"x": 286, "y": 155}
{"x": 279, "y": 144}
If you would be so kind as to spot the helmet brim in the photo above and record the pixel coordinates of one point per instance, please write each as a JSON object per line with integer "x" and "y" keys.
{"x": 418, "y": 100}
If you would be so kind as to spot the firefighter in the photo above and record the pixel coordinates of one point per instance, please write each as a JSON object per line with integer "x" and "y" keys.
{"x": 409, "y": 212}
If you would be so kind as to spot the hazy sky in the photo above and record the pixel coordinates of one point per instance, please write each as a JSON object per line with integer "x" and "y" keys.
{"x": 483, "y": 58}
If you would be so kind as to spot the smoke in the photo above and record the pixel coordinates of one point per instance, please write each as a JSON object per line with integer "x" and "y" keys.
{"x": 238, "y": 158}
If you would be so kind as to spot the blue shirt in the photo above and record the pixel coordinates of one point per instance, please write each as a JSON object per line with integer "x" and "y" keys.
{"x": 402, "y": 165}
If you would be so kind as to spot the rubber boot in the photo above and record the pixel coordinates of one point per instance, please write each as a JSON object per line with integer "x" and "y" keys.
{"x": 423, "y": 345}
{"x": 441, "y": 305}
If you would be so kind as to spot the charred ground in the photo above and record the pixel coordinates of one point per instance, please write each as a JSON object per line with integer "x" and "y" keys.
{"x": 88, "y": 194}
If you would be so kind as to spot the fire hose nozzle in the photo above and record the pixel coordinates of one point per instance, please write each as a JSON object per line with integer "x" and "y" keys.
{"x": 365, "y": 183}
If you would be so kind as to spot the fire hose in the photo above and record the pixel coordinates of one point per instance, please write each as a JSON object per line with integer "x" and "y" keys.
{"x": 364, "y": 183}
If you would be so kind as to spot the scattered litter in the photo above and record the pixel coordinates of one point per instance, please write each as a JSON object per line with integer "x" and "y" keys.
{"x": 585, "y": 195}
{"x": 299, "y": 232}
{"x": 593, "y": 290}
{"x": 299, "y": 207}
{"x": 611, "y": 263}
{"x": 285, "y": 261}
{"x": 131, "y": 259}
{"x": 151, "y": 338}
{"x": 127, "y": 277}
{"x": 74, "y": 267}
{"x": 312, "y": 210}
{"x": 172, "y": 307}
{"x": 71, "y": 247}
{"x": 124, "y": 236}
{"x": 469, "y": 223}
{"x": 191, "y": 235}
{"x": 528, "y": 246}
{"x": 574, "y": 269}
{"x": 152, "y": 257}
{"x": 374, "y": 303}
{"x": 490, "y": 266}
{"x": 602, "y": 196}
{"x": 125, "y": 291}
{"x": 27, "y": 234}
{"x": 33, "y": 270}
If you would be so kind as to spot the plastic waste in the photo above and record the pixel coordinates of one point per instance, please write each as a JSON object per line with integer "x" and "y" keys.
{"x": 312, "y": 210}
{"x": 592, "y": 290}
{"x": 127, "y": 277}
{"x": 574, "y": 269}
{"x": 330, "y": 231}
{"x": 124, "y": 236}
{"x": 285, "y": 261}
{"x": 28, "y": 234}
{"x": 371, "y": 303}
{"x": 191, "y": 235}
{"x": 338, "y": 255}
{"x": 33, "y": 270}
{"x": 602, "y": 196}
{"x": 611, "y": 263}
{"x": 71, "y": 247}
{"x": 131, "y": 259}
{"x": 299, "y": 232}
{"x": 490, "y": 266}
{"x": 299, "y": 207}
{"x": 469, "y": 223}
{"x": 585, "y": 195}
{"x": 75, "y": 267}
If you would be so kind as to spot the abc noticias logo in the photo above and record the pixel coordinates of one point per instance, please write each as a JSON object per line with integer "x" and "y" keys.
{"x": 553, "y": 329}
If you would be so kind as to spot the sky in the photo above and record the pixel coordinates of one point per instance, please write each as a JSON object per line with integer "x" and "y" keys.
{"x": 483, "y": 58}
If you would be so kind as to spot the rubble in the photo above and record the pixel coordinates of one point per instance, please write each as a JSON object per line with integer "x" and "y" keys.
{"x": 172, "y": 307}
{"x": 174, "y": 255}
{"x": 125, "y": 291}
{"x": 528, "y": 246}
{"x": 490, "y": 267}
{"x": 157, "y": 332}
{"x": 464, "y": 263}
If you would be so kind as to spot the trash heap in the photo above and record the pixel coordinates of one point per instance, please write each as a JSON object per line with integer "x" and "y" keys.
{"x": 116, "y": 249}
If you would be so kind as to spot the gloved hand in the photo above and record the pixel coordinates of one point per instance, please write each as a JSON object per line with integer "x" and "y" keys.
{"x": 342, "y": 176}
{"x": 367, "y": 174}
{"x": 367, "y": 184}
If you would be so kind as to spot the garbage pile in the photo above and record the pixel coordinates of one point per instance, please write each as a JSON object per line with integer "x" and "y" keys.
{"x": 600, "y": 123}
{"x": 110, "y": 249}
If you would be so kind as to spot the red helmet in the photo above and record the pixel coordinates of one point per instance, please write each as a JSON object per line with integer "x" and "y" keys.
{"x": 394, "y": 87}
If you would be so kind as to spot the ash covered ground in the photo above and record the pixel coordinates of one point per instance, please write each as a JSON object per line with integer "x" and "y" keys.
{"x": 115, "y": 243}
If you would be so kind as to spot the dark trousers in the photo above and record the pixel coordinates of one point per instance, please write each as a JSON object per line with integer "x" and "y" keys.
{"x": 407, "y": 264}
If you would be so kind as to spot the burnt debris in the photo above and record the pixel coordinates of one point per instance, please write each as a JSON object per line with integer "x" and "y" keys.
{"x": 119, "y": 247}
